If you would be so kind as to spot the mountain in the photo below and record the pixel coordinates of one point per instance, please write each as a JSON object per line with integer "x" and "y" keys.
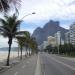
{"x": 49, "y": 29}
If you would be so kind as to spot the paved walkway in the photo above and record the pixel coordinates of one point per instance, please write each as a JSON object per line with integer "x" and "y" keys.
{"x": 25, "y": 67}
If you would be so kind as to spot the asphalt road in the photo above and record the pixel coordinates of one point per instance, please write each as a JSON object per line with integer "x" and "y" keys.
{"x": 56, "y": 65}
{"x": 47, "y": 64}
{"x": 26, "y": 67}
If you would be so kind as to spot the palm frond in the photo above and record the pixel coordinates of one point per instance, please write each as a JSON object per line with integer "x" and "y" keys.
{"x": 4, "y": 5}
{"x": 4, "y": 24}
{"x": 10, "y": 25}
{"x": 15, "y": 2}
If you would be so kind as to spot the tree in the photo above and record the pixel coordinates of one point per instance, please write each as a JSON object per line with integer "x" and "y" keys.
{"x": 6, "y": 4}
{"x": 27, "y": 39}
{"x": 9, "y": 29}
{"x": 23, "y": 40}
{"x": 33, "y": 45}
{"x": 67, "y": 49}
{"x": 48, "y": 48}
{"x": 21, "y": 44}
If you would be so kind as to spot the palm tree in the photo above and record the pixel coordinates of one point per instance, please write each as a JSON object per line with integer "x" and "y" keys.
{"x": 21, "y": 44}
{"x": 27, "y": 40}
{"x": 22, "y": 40}
{"x": 33, "y": 45}
{"x": 9, "y": 29}
{"x": 6, "y": 4}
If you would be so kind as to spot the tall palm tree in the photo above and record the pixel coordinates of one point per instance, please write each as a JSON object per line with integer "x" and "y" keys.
{"x": 33, "y": 45}
{"x": 9, "y": 29}
{"x": 21, "y": 43}
{"x": 6, "y": 4}
{"x": 22, "y": 40}
{"x": 27, "y": 40}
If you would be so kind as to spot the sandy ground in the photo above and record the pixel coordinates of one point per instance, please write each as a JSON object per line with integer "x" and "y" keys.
{"x": 3, "y": 55}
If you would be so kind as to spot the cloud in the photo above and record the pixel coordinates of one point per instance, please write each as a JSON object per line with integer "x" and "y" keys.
{"x": 72, "y": 2}
{"x": 65, "y": 26}
{"x": 61, "y": 10}
{"x": 46, "y": 9}
{"x": 4, "y": 42}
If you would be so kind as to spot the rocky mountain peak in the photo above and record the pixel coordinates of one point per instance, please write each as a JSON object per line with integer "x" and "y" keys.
{"x": 49, "y": 29}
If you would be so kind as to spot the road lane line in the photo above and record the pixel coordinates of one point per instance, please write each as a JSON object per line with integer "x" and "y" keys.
{"x": 44, "y": 72}
{"x": 71, "y": 67}
{"x": 38, "y": 67}
{"x": 16, "y": 73}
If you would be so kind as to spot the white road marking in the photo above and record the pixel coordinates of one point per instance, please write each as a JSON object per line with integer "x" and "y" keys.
{"x": 38, "y": 67}
{"x": 71, "y": 67}
{"x": 16, "y": 73}
{"x": 44, "y": 72}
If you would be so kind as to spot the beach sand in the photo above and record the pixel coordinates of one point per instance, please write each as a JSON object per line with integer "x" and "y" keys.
{"x": 4, "y": 54}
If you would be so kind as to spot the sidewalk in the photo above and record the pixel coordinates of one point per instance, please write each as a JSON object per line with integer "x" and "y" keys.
{"x": 69, "y": 58}
{"x": 66, "y": 57}
{"x": 25, "y": 67}
{"x": 13, "y": 62}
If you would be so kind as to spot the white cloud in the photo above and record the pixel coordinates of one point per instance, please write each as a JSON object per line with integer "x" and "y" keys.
{"x": 4, "y": 42}
{"x": 65, "y": 26}
{"x": 28, "y": 29}
{"x": 46, "y": 9}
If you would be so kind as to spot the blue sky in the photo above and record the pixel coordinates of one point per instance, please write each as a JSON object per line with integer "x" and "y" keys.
{"x": 58, "y": 10}
{"x": 61, "y": 10}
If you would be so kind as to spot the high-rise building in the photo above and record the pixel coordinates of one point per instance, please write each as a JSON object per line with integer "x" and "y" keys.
{"x": 45, "y": 44}
{"x": 72, "y": 34}
{"x": 58, "y": 38}
{"x": 67, "y": 37}
{"x": 51, "y": 41}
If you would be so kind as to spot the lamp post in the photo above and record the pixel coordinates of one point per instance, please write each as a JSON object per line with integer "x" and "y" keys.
{"x": 26, "y": 16}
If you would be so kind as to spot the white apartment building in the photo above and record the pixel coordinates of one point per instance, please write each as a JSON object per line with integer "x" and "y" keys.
{"x": 67, "y": 37}
{"x": 45, "y": 44}
{"x": 51, "y": 41}
{"x": 72, "y": 34}
{"x": 58, "y": 38}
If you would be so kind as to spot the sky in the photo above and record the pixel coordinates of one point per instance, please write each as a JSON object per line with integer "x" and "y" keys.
{"x": 58, "y": 10}
{"x": 61, "y": 10}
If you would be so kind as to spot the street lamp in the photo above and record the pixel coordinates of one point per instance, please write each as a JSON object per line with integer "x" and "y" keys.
{"x": 27, "y": 15}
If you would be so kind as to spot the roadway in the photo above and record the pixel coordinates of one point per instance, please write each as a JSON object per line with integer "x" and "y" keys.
{"x": 44, "y": 64}
{"x": 56, "y": 65}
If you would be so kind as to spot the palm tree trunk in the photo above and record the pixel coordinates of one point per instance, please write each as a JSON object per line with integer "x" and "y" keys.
{"x": 25, "y": 51}
{"x": 8, "y": 58}
{"x": 18, "y": 51}
{"x": 21, "y": 53}
{"x": 29, "y": 51}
